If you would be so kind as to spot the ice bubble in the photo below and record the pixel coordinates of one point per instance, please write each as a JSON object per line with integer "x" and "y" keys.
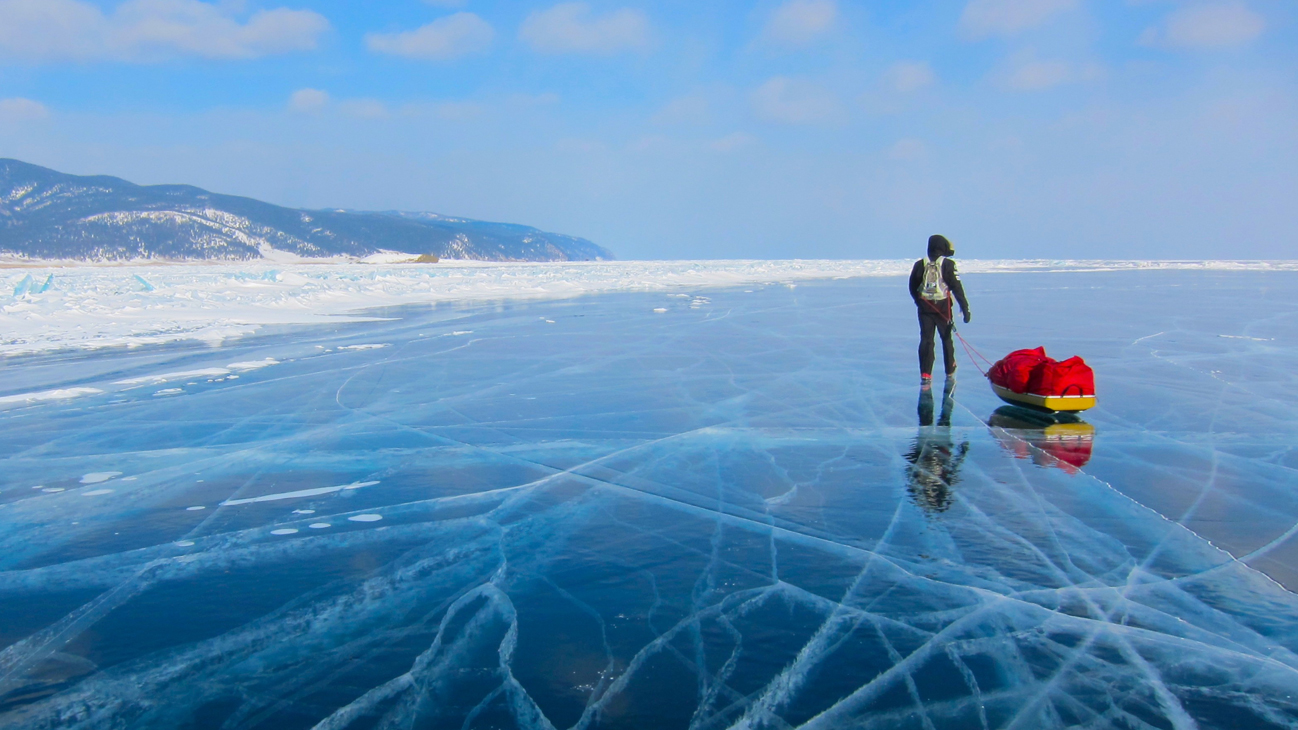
{"x": 129, "y": 479}
{"x": 99, "y": 476}
{"x": 458, "y": 333}
{"x": 96, "y": 492}
{"x": 284, "y": 531}
{"x": 195, "y": 508}
{"x": 185, "y": 543}
{"x": 39, "y": 486}
{"x": 52, "y": 489}
{"x": 364, "y": 347}
{"x": 365, "y": 518}
{"x": 168, "y": 391}
{"x": 660, "y": 310}
{"x": 319, "y": 525}
{"x": 303, "y": 511}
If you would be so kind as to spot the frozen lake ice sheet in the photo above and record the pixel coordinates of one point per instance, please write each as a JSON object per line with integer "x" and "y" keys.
{"x": 590, "y": 514}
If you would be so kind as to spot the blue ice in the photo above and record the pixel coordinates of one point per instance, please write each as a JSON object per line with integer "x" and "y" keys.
{"x": 740, "y": 512}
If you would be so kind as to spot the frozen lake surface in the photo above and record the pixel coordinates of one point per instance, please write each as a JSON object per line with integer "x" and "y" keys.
{"x": 690, "y": 508}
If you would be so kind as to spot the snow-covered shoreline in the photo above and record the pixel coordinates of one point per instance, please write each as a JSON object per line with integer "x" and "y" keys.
{"x": 55, "y": 307}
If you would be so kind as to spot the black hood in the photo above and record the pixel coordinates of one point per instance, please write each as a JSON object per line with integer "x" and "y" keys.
{"x": 939, "y": 246}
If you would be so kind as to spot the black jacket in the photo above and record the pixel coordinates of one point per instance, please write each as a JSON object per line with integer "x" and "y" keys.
{"x": 951, "y": 278}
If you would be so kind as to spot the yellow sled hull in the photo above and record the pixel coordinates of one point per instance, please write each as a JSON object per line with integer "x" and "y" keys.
{"x": 1069, "y": 403}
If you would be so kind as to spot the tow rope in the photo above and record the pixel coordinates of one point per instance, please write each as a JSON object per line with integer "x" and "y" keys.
{"x": 969, "y": 349}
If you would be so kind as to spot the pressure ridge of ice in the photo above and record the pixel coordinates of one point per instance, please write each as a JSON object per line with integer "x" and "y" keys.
{"x": 109, "y": 306}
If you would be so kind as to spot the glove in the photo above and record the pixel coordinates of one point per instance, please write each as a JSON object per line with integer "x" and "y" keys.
{"x": 966, "y": 316}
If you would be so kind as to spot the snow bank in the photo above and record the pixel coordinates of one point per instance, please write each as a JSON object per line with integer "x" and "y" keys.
{"x": 87, "y": 306}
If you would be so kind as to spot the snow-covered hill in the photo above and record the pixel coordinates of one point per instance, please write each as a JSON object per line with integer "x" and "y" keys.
{"x": 46, "y": 214}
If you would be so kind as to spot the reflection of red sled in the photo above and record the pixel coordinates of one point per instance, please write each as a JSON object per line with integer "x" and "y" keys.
{"x": 1030, "y": 378}
{"x": 1043, "y": 440}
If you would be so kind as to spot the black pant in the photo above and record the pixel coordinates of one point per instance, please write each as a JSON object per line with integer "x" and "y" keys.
{"x": 930, "y": 321}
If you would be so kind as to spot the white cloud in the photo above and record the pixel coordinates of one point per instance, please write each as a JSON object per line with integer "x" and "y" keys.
{"x": 364, "y": 108}
{"x": 1039, "y": 75}
{"x": 571, "y": 28}
{"x": 984, "y": 18}
{"x": 308, "y": 100}
{"x": 1214, "y": 26}
{"x": 1031, "y": 74}
{"x": 732, "y": 142}
{"x": 800, "y": 22}
{"x": 908, "y": 76}
{"x": 150, "y": 30}
{"x": 443, "y": 39}
{"x": 692, "y": 109}
{"x": 458, "y": 111}
{"x": 22, "y": 110}
{"x": 534, "y": 100}
{"x": 907, "y": 149}
{"x": 796, "y": 101}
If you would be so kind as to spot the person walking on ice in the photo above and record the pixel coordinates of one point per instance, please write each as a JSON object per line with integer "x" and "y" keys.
{"x": 933, "y": 283}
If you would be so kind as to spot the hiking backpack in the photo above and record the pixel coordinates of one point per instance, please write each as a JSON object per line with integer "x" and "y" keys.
{"x": 933, "y": 286}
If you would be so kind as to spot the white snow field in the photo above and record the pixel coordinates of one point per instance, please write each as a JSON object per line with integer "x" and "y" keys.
{"x": 97, "y": 306}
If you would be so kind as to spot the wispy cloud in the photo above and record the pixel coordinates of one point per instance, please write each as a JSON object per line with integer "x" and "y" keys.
{"x": 1039, "y": 75}
{"x": 364, "y": 109}
{"x": 150, "y": 30}
{"x": 689, "y": 109}
{"x": 907, "y": 149}
{"x": 454, "y": 36}
{"x": 1028, "y": 74}
{"x": 985, "y": 18}
{"x": 22, "y": 110}
{"x": 308, "y": 101}
{"x": 797, "y": 101}
{"x": 732, "y": 142}
{"x": 573, "y": 28}
{"x": 909, "y": 76}
{"x": 799, "y": 23}
{"x": 1207, "y": 27}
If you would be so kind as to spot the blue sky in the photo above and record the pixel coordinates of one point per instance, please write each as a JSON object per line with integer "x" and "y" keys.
{"x": 726, "y": 129}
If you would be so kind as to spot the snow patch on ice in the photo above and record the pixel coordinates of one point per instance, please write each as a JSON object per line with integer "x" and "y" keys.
{"x": 364, "y": 347}
{"x": 253, "y": 365}
{"x": 60, "y": 394}
{"x": 365, "y": 518}
{"x": 99, "y": 477}
{"x": 161, "y": 378}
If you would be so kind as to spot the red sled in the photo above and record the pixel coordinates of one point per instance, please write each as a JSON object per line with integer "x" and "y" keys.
{"x": 1031, "y": 378}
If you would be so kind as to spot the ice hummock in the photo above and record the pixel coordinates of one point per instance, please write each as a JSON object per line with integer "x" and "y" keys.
{"x": 98, "y": 306}
{"x": 586, "y": 513}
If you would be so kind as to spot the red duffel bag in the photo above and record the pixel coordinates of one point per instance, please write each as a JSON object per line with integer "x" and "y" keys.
{"x": 1069, "y": 377}
{"x": 1015, "y": 370}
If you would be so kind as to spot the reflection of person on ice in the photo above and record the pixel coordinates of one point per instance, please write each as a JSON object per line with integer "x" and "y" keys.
{"x": 934, "y": 457}
{"x": 933, "y": 282}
